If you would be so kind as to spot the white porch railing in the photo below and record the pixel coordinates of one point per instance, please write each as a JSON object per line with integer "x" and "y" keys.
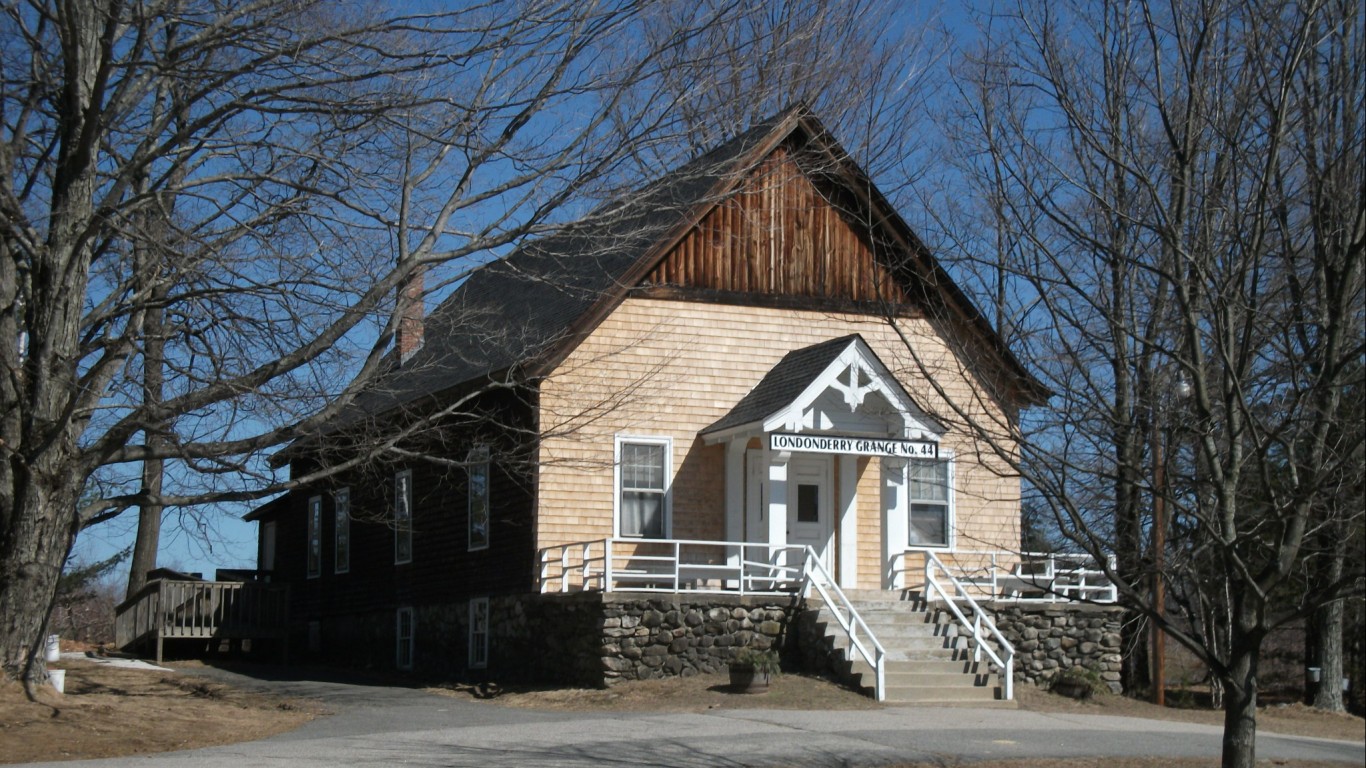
{"x": 720, "y": 567}
{"x": 672, "y": 565}
{"x": 1032, "y": 577}
{"x": 849, "y": 620}
{"x": 981, "y": 626}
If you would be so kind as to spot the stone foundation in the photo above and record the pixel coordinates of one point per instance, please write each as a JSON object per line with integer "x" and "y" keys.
{"x": 595, "y": 639}
{"x": 1050, "y": 639}
{"x": 645, "y": 637}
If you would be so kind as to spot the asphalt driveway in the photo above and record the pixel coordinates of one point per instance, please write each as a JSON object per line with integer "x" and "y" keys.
{"x": 381, "y": 725}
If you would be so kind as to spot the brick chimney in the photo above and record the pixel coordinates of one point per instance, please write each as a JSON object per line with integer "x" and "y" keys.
{"x": 410, "y": 323}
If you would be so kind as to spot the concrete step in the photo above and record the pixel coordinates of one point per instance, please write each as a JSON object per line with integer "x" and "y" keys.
{"x": 961, "y": 670}
{"x": 929, "y": 658}
{"x": 923, "y": 694}
{"x": 899, "y": 627}
{"x": 922, "y": 646}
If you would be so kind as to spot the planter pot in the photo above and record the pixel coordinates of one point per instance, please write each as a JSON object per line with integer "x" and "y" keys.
{"x": 1072, "y": 689}
{"x": 744, "y": 678}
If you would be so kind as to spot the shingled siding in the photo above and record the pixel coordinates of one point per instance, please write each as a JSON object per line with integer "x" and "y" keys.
{"x": 671, "y": 368}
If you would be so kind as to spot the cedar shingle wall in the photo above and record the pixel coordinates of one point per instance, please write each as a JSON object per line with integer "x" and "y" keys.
{"x": 656, "y": 368}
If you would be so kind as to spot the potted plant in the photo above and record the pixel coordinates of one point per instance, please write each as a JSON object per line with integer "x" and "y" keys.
{"x": 1078, "y": 683}
{"x": 751, "y": 668}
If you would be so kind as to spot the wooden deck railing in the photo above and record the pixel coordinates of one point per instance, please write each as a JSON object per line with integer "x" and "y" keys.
{"x": 167, "y": 610}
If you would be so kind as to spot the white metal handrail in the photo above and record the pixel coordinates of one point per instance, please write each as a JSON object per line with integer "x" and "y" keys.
{"x": 981, "y": 620}
{"x": 850, "y": 621}
{"x": 671, "y": 565}
{"x": 1032, "y": 577}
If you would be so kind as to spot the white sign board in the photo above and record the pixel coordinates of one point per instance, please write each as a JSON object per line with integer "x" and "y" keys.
{"x": 858, "y": 446}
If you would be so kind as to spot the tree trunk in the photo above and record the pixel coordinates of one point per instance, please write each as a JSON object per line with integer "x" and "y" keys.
{"x": 32, "y": 553}
{"x": 1325, "y": 628}
{"x": 1240, "y": 710}
{"x": 149, "y": 514}
{"x": 1328, "y": 621}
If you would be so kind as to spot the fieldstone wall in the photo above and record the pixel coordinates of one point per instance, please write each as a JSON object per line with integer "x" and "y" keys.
{"x": 600, "y": 639}
{"x": 1050, "y": 639}
{"x": 684, "y": 635}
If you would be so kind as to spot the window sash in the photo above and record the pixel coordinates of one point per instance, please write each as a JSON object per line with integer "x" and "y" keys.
{"x": 479, "y": 633}
{"x": 315, "y": 542}
{"x": 642, "y": 496}
{"x": 403, "y": 648}
{"x": 341, "y": 501}
{"x": 930, "y": 514}
{"x": 479, "y": 516}
{"x": 403, "y": 517}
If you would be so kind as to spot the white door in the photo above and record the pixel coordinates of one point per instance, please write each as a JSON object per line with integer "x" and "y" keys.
{"x": 810, "y": 504}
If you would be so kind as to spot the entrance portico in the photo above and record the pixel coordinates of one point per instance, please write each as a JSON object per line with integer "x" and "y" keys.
{"x": 794, "y": 448}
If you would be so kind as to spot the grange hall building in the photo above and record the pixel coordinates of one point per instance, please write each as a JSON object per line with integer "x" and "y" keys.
{"x": 668, "y": 432}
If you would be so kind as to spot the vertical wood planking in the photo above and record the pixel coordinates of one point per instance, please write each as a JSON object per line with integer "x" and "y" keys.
{"x": 777, "y": 235}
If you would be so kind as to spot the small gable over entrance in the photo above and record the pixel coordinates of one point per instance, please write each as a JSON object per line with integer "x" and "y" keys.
{"x": 837, "y": 387}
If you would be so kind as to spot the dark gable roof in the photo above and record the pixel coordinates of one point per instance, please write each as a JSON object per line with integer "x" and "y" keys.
{"x": 520, "y": 308}
{"x": 783, "y": 383}
{"x": 529, "y": 307}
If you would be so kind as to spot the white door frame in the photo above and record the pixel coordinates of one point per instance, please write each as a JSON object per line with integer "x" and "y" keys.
{"x": 806, "y": 470}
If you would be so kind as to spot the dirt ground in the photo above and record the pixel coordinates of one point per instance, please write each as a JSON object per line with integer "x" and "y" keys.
{"x": 109, "y": 711}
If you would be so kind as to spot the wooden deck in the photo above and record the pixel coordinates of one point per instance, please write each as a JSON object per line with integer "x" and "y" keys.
{"x": 168, "y": 609}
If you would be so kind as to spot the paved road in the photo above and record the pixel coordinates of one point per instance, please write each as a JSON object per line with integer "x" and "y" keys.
{"x": 378, "y": 725}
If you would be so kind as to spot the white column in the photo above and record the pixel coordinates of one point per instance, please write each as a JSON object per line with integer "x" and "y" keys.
{"x": 735, "y": 498}
{"x": 777, "y": 503}
{"x": 848, "y": 520}
{"x": 895, "y": 519}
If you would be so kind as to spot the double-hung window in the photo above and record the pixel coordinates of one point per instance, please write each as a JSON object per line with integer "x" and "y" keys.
{"x": 403, "y": 517}
{"x": 315, "y": 536}
{"x": 477, "y": 466}
{"x": 341, "y": 501}
{"x": 643, "y": 475}
{"x": 930, "y": 503}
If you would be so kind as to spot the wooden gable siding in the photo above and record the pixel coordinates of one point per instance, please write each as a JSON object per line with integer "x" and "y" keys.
{"x": 778, "y": 236}
{"x": 658, "y": 368}
{"x": 442, "y": 569}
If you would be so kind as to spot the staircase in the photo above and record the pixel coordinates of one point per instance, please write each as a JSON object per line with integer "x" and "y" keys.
{"x": 928, "y": 661}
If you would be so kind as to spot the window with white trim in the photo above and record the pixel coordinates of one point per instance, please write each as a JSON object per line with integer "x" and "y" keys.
{"x": 315, "y": 540}
{"x": 403, "y": 633}
{"x": 403, "y": 517}
{"x": 477, "y": 467}
{"x": 643, "y": 473}
{"x": 341, "y": 541}
{"x": 479, "y": 633}
{"x": 931, "y": 513}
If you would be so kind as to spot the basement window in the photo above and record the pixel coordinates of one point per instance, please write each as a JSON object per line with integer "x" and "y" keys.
{"x": 479, "y": 633}
{"x": 403, "y": 652}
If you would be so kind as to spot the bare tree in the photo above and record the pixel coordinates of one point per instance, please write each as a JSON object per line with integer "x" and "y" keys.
{"x": 1174, "y": 200}
{"x": 865, "y": 66}
{"x": 210, "y": 208}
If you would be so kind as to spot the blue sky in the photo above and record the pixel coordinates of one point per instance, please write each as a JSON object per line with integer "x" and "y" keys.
{"x": 214, "y": 536}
